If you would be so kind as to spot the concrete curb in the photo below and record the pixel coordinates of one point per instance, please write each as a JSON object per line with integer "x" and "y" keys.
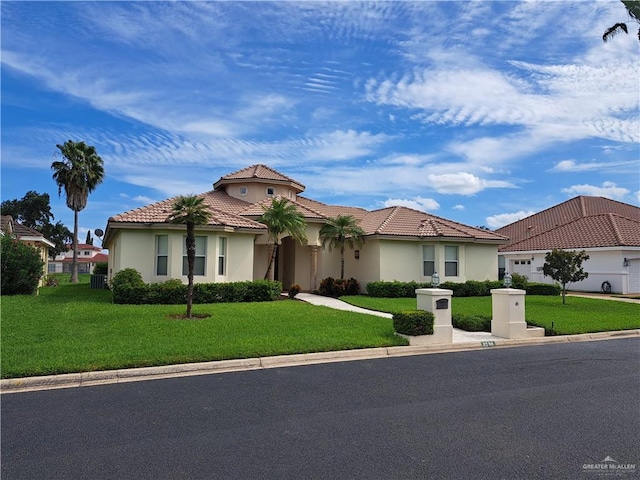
{"x": 16, "y": 385}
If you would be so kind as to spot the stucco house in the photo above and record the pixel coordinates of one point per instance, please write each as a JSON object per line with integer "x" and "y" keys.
{"x": 88, "y": 256}
{"x": 400, "y": 244}
{"x": 608, "y": 230}
{"x": 8, "y": 226}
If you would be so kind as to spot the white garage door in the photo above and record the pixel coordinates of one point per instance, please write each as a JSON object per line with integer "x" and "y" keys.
{"x": 634, "y": 275}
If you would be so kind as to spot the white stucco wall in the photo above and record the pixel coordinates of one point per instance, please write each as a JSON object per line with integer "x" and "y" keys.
{"x": 604, "y": 264}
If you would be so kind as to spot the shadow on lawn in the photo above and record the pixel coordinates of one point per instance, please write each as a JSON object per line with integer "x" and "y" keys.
{"x": 79, "y": 293}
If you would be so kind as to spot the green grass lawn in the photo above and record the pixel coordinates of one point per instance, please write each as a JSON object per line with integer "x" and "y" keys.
{"x": 73, "y": 328}
{"x": 579, "y": 315}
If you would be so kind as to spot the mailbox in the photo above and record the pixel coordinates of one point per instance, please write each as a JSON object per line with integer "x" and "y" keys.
{"x": 442, "y": 304}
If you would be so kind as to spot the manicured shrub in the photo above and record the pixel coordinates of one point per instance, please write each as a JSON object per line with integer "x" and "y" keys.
{"x": 543, "y": 289}
{"x": 127, "y": 276}
{"x": 22, "y": 267}
{"x": 394, "y": 289}
{"x": 101, "y": 268}
{"x": 294, "y": 290}
{"x": 519, "y": 281}
{"x": 413, "y": 322}
{"x": 337, "y": 287}
{"x": 471, "y": 323}
{"x": 173, "y": 292}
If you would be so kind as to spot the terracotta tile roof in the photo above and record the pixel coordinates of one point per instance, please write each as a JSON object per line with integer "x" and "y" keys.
{"x": 233, "y": 212}
{"x": 581, "y": 222}
{"x": 98, "y": 257}
{"x": 403, "y": 221}
{"x": 221, "y": 206}
{"x": 606, "y": 230}
{"x": 258, "y": 208}
{"x": 258, "y": 172}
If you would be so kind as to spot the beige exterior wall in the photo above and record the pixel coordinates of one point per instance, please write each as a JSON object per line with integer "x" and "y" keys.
{"x": 137, "y": 249}
{"x": 258, "y": 191}
{"x": 481, "y": 262}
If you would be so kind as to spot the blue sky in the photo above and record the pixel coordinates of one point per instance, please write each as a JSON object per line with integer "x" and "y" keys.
{"x": 481, "y": 112}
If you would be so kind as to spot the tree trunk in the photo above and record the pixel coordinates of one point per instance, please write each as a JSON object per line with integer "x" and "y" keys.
{"x": 191, "y": 260}
{"x": 269, "y": 275}
{"x": 74, "y": 263}
{"x": 342, "y": 262}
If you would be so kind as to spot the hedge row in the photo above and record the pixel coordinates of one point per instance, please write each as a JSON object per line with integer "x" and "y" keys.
{"x": 413, "y": 322}
{"x": 337, "y": 287}
{"x": 173, "y": 292}
{"x": 471, "y": 323}
{"x": 470, "y": 288}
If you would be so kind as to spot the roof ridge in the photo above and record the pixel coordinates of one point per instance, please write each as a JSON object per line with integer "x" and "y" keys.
{"x": 616, "y": 230}
{"x": 389, "y": 217}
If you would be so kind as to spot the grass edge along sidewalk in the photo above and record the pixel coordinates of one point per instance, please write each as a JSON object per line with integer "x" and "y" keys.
{"x": 85, "y": 379}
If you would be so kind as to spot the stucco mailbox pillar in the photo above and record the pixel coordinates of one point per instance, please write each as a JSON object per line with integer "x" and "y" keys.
{"x": 438, "y": 302}
{"x": 508, "y": 313}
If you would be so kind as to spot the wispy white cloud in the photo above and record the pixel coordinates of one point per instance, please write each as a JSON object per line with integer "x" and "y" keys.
{"x": 417, "y": 203}
{"x": 573, "y": 166}
{"x": 458, "y": 207}
{"x": 608, "y": 190}
{"x": 502, "y": 219}
{"x": 463, "y": 183}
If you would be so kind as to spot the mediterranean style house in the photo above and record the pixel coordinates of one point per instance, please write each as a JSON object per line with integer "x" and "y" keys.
{"x": 609, "y": 231}
{"x": 88, "y": 257}
{"x": 8, "y": 226}
{"x": 400, "y": 243}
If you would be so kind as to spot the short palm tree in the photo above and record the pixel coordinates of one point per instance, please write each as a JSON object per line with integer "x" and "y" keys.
{"x": 340, "y": 232}
{"x": 190, "y": 211}
{"x": 80, "y": 171}
{"x": 282, "y": 218}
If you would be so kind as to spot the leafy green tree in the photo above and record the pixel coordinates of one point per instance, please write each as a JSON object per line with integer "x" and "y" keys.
{"x": 565, "y": 267}
{"x": 34, "y": 211}
{"x": 282, "y": 218}
{"x": 340, "y": 232}
{"x": 22, "y": 267}
{"x": 633, "y": 9}
{"x": 79, "y": 173}
{"x": 190, "y": 211}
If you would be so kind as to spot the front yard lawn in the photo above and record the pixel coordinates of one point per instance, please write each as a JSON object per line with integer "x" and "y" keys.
{"x": 72, "y": 328}
{"x": 579, "y": 315}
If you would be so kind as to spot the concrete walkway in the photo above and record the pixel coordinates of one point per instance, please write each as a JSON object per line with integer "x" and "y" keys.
{"x": 459, "y": 336}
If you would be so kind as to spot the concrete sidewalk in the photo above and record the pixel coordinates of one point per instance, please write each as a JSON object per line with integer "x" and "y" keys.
{"x": 459, "y": 336}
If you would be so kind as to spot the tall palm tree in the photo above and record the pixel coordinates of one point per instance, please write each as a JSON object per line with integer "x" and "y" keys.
{"x": 80, "y": 171}
{"x": 633, "y": 8}
{"x": 282, "y": 218}
{"x": 190, "y": 211}
{"x": 339, "y": 232}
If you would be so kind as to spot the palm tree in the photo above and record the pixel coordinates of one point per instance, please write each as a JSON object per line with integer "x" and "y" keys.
{"x": 339, "y": 232}
{"x": 80, "y": 171}
{"x": 633, "y": 8}
{"x": 190, "y": 211}
{"x": 282, "y": 218}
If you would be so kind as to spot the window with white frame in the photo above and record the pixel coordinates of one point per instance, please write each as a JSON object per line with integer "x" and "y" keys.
{"x": 222, "y": 256}
{"x": 243, "y": 190}
{"x": 162, "y": 254}
{"x": 450, "y": 261}
{"x": 271, "y": 191}
{"x": 201, "y": 256}
{"x": 428, "y": 260}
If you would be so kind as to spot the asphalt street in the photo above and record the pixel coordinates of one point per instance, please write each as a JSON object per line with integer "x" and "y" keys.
{"x": 535, "y": 412}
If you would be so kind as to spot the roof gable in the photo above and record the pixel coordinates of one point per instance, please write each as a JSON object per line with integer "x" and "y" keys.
{"x": 258, "y": 173}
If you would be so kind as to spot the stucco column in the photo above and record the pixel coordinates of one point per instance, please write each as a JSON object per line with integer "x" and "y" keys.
{"x": 313, "y": 278}
{"x": 438, "y": 302}
{"x": 508, "y": 319}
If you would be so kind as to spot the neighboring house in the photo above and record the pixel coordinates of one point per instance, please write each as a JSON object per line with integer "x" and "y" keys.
{"x": 8, "y": 226}
{"x": 400, "y": 244}
{"x": 609, "y": 231}
{"x": 88, "y": 256}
